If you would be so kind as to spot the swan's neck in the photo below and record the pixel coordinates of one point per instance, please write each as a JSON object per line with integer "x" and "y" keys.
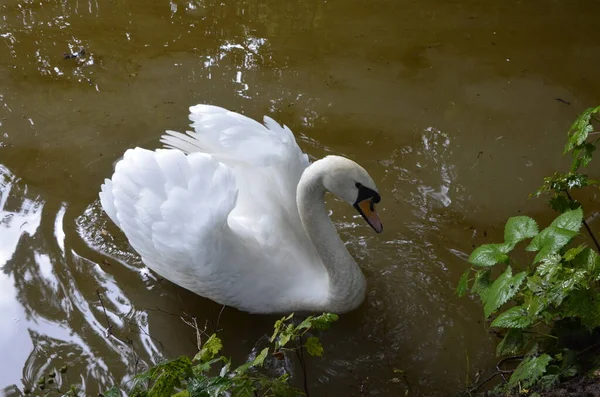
{"x": 347, "y": 284}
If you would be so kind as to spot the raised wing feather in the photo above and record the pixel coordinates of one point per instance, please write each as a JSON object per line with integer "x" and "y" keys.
{"x": 241, "y": 142}
{"x": 173, "y": 208}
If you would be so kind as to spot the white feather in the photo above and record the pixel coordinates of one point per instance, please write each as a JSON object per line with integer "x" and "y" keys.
{"x": 216, "y": 213}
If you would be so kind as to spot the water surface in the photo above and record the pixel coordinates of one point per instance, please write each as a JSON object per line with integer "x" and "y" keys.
{"x": 451, "y": 106}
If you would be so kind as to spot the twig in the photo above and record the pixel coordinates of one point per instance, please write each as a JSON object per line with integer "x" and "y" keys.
{"x": 300, "y": 354}
{"x": 110, "y": 334}
{"x": 199, "y": 332}
{"x": 499, "y": 371}
{"x": 587, "y": 227}
{"x": 219, "y": 319}
{"x": 109, "y": 324}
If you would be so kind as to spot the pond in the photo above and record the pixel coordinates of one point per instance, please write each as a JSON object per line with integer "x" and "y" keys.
{"x": 456, "y": 108}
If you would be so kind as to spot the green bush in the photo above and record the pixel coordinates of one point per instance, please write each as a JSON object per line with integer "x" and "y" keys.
{"x": 196, "y": 377}
{"x": 549, "y": 309}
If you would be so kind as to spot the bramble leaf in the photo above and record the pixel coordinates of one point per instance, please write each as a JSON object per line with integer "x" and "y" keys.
{"x": 515, "y": 317}
{"x": 557, "y": 235}
{"x": 482, "y": 283}
{"x": 314, "y": 347}
{"x": 580, "y": 129}
{"x": 513, "y": 343}
{"x": 529, "y": 371}
{"x": 324, "y": 321}
{"x": 463, "y": 283}
{"x": 210, "y": 349}
{"x": 561, "y": 203}
{"x": 573, "y": 252}
{"x": 570, "y": 220}
{"x": 582, "y": 156}
{"x": 519, "y": 228}
{"x": 258, "y": 361}
{"x": 279, "y": 326}
{"x": 490, "y": 254}
{"x": 549, "y": 266}
{"x": 585, "y": 305}
{"x": 504, "y": 288}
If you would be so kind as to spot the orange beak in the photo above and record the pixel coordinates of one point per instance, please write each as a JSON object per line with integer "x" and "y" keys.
{"x": 367, "y": 209}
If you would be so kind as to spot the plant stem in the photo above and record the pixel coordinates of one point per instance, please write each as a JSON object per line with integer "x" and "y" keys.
{"x": 587, "y": 227}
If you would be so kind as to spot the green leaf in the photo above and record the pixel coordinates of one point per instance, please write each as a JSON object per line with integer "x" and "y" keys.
{"x": 243, "y": 388}
{"x": 463, "y": 283}
{"x": 580, "y": 129}
{"x": 112, "y": 392}
{"x": 286, "y": 335}
{"x": 314, "y": 347}
{"x": 573, "y": 252}
{"x": 588, "y": 260}
{"x": 490, "y": 254}
{"x": 258, "y": 361}
{"x": 482, "y": 283}
{"x": 513, "y": 343}
{"x": 585, "y": 305}
{"x": 169, "y": 376}
{"x": 519, "y": 228}
{"x": 557, "y": 235}
{"x": 504, "y": 288}
{"x": 210, "y": 349}
{"x": 529, "y": 371}
{"x": 279, "y": 325}
{"x": 515, "y": 317}
{"x": 324, "y": 321}
{"x": 561, "y": 203}
{"x": 570, "y": 220}
{"x": 582, "y": 156}
{"x": 549, "y": 266}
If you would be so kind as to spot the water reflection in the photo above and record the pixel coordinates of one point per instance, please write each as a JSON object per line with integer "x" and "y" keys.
{"x": 47, "y": 310}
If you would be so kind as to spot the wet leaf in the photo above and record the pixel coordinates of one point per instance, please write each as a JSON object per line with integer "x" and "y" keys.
{"x": 570, "y": 220}
{"x": 279, "y": 326}
{"x": 557, "y": 235}
{"x": 258, "y": 361}
{"x": 515, "y": 317}
{"x": 490, "y": 254}
{"x": 582, "y": 156}
{"x": 210, "y": 349}
{"x": 529, "y": 371}
{"x": 324, "y": 321}
{"x": 482, "y": 283}
{"x": 519, "y": 228}
{"x": 580, "y": 129}
{"x": 513, "y": 343}
{"x": 573, "y": 252}
{"x": 561, "y": 203}
{"x": 504, "y": 288}
{"x": 463, "y": 283}
{"x": 112, "y": 392}
{"x": 314, "y": 347}
{"x": 549, "y": 266}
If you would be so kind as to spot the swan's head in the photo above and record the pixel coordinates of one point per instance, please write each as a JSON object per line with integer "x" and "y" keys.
{"x": 353, "y": 184}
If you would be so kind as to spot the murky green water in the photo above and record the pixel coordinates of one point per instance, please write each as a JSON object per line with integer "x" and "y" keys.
{"x": 452, "y": 107}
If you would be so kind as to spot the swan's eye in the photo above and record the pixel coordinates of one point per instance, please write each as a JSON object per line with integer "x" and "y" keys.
{"x": 358, "y": 185}
{"x": 372, "y": 206}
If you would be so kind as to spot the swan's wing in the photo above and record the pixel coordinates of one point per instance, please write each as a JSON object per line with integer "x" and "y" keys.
{"x": 268, "y": 154}
{"x": 173, "y": 209}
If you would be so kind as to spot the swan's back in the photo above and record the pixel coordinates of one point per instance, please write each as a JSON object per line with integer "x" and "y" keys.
{"x": 216, "y": 212}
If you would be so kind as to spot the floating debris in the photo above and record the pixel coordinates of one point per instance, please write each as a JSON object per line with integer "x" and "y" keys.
{"x": 70, "y": 55}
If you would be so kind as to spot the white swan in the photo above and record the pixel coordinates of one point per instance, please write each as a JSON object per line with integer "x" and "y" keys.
{"x": 235, "y": 213}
